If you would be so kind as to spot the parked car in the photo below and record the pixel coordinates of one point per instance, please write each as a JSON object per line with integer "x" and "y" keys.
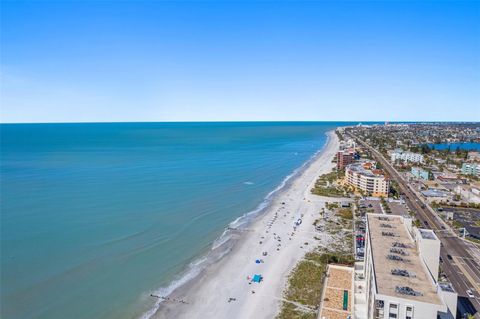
{"x": 449, "y": 257}
{"x": 470, "y": 293}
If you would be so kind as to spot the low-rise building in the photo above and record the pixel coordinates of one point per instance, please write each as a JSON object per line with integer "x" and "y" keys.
{"x": 468, "y": 193}
{"x": 436, "y": 195}
{"x": 372, "y": 182}
{"x": 447, "y": 177}
{"x": 337, "y": 296}
{"x": 471, "y": 169}
{"x": 406, "y": 157}
{"x": 420, "y": 173}
{"x": 399, "y": 276}
{"x": 474, "y": 156}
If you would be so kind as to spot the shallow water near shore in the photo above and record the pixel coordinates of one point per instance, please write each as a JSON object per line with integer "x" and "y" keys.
{"x": 97, "y": 216}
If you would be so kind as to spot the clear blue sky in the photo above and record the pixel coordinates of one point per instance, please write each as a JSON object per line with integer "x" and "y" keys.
{"x": 210, "y": 61}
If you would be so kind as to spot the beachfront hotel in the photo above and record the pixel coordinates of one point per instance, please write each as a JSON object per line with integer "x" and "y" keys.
{"x": 399, "y": 277}
{"x": 370, "y": 181}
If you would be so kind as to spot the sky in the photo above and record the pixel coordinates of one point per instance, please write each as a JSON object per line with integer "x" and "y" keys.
{"x": 109, "y": 61}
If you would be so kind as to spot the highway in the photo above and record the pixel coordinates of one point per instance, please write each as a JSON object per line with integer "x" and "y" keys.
{"x": 460, "y": 258}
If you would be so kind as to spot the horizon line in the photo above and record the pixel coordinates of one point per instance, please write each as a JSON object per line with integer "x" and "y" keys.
{"x": 252, "y": 121}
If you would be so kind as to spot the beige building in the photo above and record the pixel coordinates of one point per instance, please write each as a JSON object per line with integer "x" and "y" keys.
{"x": 363, "y": 178}
{"x": 399, "y": 278}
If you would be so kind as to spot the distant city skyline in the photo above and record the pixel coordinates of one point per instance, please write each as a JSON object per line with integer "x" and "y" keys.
{"x": 239, "y": 61}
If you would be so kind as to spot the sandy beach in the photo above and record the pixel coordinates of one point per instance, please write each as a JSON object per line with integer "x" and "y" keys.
{"x": 223, "y": 290}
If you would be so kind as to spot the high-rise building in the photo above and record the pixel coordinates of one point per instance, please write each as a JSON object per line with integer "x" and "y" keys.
{"x": 399, "y": 277}
{"x": 345, "y": 158}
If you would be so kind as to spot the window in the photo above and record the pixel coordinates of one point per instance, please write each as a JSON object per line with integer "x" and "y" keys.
{"x": 409, "y": 312}
{"x": 393, "y": 311}
{"x": 379, "y": 304}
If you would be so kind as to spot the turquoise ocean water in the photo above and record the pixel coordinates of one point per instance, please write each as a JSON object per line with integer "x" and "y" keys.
{"x": 95, "y": 217}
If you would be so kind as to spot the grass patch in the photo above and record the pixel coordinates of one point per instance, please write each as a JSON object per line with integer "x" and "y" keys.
{"x": 345, "y": 213}
{"x": 473, "y": 240}
{"x": 331, "y": 206}
{"x": 326, "y": 185}
{"x": 290, "y": 311}
{"x": 457, "y": 224}
{"x": 305, "y": 283}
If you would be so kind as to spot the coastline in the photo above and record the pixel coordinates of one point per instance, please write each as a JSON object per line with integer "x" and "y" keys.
{"x": 207, "y": 292}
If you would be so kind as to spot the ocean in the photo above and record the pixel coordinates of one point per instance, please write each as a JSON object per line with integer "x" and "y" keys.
{"x": 96, "y": 217}
{"x": 468, "y": 146}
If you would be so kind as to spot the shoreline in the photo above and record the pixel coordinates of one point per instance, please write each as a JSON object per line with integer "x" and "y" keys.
{"x": 206, "y": 290}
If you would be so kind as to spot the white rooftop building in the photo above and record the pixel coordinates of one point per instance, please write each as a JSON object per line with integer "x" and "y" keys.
{"x": 347, "y": 144}
{"x": 398, "y": 278}
{"x": 406, "y": 157}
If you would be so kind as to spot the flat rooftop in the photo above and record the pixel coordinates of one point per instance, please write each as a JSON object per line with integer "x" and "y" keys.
{"x": 339, "y": 279}
{"x": 394, "y": 250}
{"x": 358, "y": 168}
{"x": 433, "y": 192}
{"x": 427, "y": 234}
{"x": 446, "y": 286}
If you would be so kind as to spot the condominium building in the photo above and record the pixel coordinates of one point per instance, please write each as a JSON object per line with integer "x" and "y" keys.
{"x": 471, "y": 169}
{"x": 399, "y": 277}
{"x": 406, "y": 157}
{"x": 347, "y": 144}
{"x": 345, "y": 158}
{"x": 371, "y": 182}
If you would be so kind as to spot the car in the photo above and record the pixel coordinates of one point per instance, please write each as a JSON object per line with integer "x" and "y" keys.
{"x": 441, "y": 259}
{"x": 426, "y": 223}
{"x": 449, "y": 257}
{"x": 443, "y": 227}
{"x": 470, "y": 293}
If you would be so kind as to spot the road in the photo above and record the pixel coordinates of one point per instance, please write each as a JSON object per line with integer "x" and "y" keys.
{"x": 460, "y": 258}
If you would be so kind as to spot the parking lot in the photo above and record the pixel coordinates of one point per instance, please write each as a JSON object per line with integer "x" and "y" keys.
{"x": 468, "y": 218}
